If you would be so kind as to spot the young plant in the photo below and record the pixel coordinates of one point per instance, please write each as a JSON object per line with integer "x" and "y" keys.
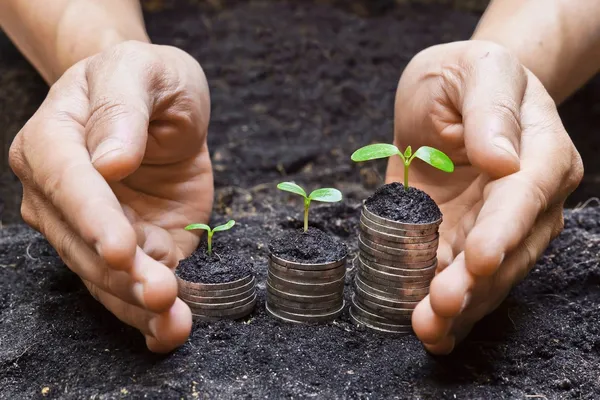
{"x": 431, "y": 156}
{"x": 326, "y": 195}
{"x": 210, "y": 231}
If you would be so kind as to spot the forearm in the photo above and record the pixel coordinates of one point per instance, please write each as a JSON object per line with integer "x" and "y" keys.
{"x": 558, "y": 40}
{"x": 56, "y": 34}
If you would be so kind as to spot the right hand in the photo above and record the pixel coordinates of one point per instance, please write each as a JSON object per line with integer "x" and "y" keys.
{"x": 114, "y": 165}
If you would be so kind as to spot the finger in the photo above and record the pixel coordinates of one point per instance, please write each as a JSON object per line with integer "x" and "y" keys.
{"x": 164, "y": 332}
{"x": 147, "y": 284}
{"x": 450, "y": 290}
{"x": 493, "y": 92}
{"x": 428, "y": 326}
{"x": 120, "y": 108}
{"x": 443, "y": 347}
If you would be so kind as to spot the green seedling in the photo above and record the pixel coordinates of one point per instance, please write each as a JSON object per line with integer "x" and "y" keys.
{"x": 210, "y": 231}
{"x": 326, "y": 195}
{"x": 431, "y": 156}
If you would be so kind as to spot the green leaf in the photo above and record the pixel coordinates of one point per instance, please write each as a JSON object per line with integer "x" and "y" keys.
{"x": 408, "y": 152}
{"x": 374, "y": 151}
{"x": 197, "y": 226}
{"x": 435, "y": 158}
{"x": 224, "y": 227}
{"x": 291, "y": 187}
{"x": 327, "y": 195}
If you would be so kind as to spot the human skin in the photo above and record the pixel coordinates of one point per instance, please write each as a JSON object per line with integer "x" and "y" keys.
{"x": 490, "y": 104}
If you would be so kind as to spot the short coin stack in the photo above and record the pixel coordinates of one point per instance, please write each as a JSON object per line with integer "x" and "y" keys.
{"x": 395, "y": 266}
{"x": 303, "y": 293}
{"x": 214, "y": 301}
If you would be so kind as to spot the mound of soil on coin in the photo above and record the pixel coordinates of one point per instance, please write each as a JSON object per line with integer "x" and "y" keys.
{"x": 311, "y": 247}
{"x": 226, "y": 264}
{"x": 411, "y": 206}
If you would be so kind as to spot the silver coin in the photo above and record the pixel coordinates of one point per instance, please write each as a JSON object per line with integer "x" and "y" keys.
{"x": 422, "y": 235}
{"x": 427, "y": 272}
{"x": 400, "y": 294}
{"x": 371, "y": 275}
{"x": 397, "y": 257}
{"x": 369, "y": 270}
{"x": 304, "y": 298}
{"x": 383, "y": 240}
{"x": 219, "y": 306}
{"x": 399, "y": 252}
{"x": 214, "y": 286}
{"x": 305, "y": 287}
{"x": 363, "y": 312}
{"x": 387, "y": 301}
{"x": 426, "y": 227}
{"x": 321, "y": 305}
{"x": 200, "y": 317}
{"x": 398, "y": 315}
{"x": 235, "y": 311}
{"x": 185, "y": 290}
{"x": 397, "y": 264}
{"x": 309, "y": 276}
{"x": 395, "y": 237}
{"x": 278, "y": 305}
{"x": 392, "y": 329}
{"x": 307, "y": 266}
{"x": 300, "y": 318}
{"x": 217, "y": 299}
{"x": 316, "y": 290}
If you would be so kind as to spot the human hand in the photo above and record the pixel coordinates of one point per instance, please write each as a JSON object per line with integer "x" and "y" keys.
{"x": 114, "y": 165}
{"x": 504, "y": 203}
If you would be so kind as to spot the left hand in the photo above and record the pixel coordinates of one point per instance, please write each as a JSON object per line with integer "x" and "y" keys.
{"x": 504, "y": 203}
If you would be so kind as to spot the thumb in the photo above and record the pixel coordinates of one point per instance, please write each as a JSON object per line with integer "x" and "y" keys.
{"x": 117, "y": 128}
{"x": 492, "y": 95}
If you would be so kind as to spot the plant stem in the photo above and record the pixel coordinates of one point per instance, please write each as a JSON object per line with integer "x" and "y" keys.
{"x": 306, "y": 206}
{"x": 406, "y": 165}
{"x": 209, "y": 242}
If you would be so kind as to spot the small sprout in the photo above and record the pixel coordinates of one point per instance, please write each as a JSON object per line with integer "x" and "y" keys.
{"x": 326, "y": 195}
{"x": 431, "y": 156}
{"x": 210, "y": 231}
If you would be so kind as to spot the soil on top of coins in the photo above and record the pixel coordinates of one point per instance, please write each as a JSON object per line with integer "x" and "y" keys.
{"x": 311, "y": 247}
{"x": 296, "y": 87}
{"x": 412, "y": 206}
{"x": 226, "y": 264}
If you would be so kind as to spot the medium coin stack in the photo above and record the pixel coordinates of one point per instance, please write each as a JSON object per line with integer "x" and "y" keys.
{"x": 214, "y": 301}
{"x": 395, "y": 266}
{"x": 304, "y": 293}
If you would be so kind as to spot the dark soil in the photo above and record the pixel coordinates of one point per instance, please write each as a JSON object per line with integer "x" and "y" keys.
{"x": 226, "y": 264}
{"x": 296, "y": 87}
{"x": 412, "y": 206}
{"x": 311, "y": 247}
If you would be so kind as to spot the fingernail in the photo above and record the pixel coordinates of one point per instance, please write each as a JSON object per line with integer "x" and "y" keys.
{"x": 505, "y": 144}
{"x": 108, "y": 146}
{"x": 139, "y": 292}
{"x": 466, "y": 302}
{"x": 153, "y": 326}
{"x": 501, "y": 259}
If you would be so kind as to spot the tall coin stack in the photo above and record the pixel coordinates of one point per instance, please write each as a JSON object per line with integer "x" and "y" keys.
{"x": 214, "y": 301}
{"x": 298, "y": 292}
{"x": 395, "y": 266}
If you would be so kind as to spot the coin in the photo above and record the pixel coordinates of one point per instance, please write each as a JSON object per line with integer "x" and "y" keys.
{"x": 217, "y": 299}
{"x": 304, "y": 298}
{"x": 399, "y": 251}
{"x": 396, "y": 256}
{"x": 398, "y": 315}
{"x": 361, "y": 311}
{"x": 364, "y": 220}
{"x": 386, "y": 291}
{"x": 290, "y": 286}
{"x": 372, "y": 275}
{"x": 304, "y": 311}
{"x": 391, "y": 302}
{"x": 391, "y": 329}
{"x": 185, "y": 290}
{"x": 379, "y": 238}
{"x": 214, "y": 286}
{"x": 427, "y": 272}
{"x": 411, "y": 279}
{"x": 307, "y": 266}
{"x": 299, "y": 318}
{"x": 401, "y": 225}
{"x": 309, "y": 276}
{"x": 395, "y": 237}
{"x": 392, "y": 263}
{"x": 219, "y": 306}
{"x": 242, "y": 314}
{"x": 249, "y": 306}
{"x": 302, "y": 305}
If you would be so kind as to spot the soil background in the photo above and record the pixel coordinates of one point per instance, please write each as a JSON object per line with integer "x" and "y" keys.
{"x": 296, "y": 86}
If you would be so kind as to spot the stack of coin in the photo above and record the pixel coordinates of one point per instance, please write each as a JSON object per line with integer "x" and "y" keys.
{"x": 214, "y": 301}
{"x": 303, "y": 293}
{"x": 395, "y": 266}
